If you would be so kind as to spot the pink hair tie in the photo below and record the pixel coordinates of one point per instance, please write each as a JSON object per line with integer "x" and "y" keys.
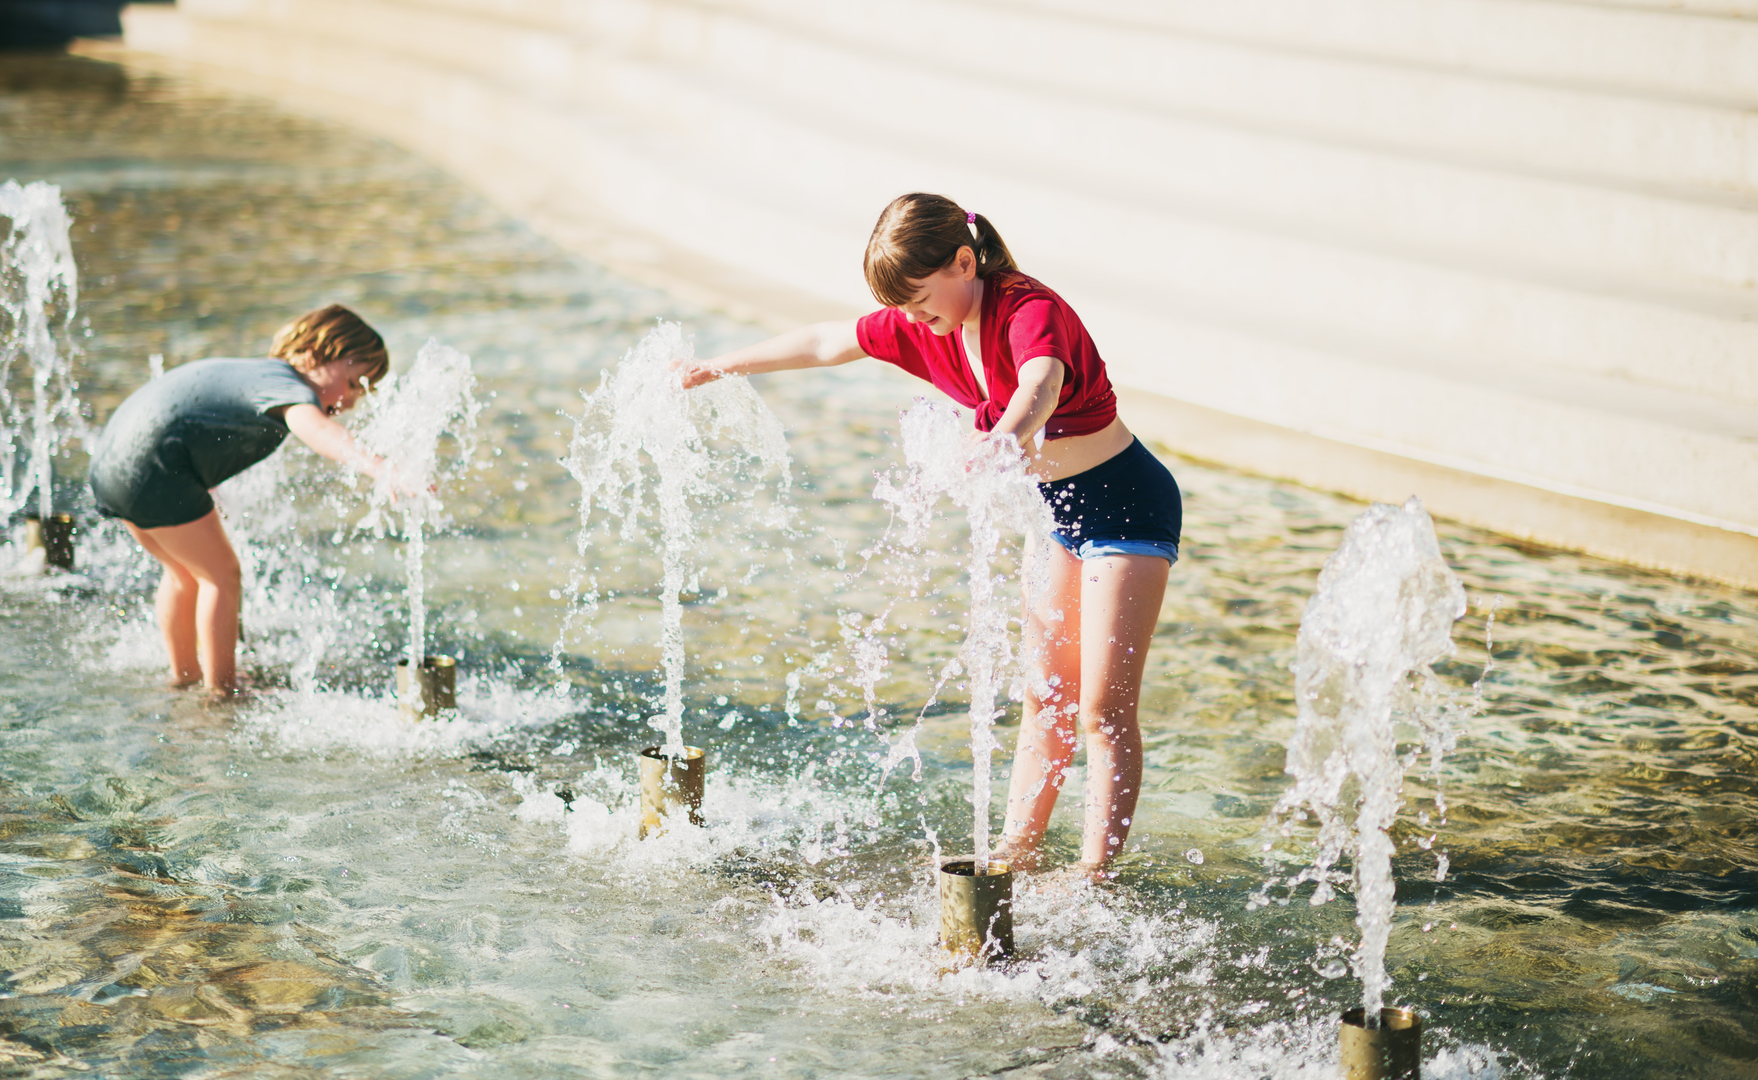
{"x": 970, "y": 217}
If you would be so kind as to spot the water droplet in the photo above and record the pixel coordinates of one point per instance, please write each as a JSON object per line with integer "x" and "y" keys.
{"x": 1336, "y": 969}
{"x": 1195, "y": 855}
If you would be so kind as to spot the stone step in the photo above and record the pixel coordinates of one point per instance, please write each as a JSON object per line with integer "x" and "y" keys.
{"x": 1652, "y": 48}
{"x": 1611, "y": 440}
{"x": 1448, "y": 108}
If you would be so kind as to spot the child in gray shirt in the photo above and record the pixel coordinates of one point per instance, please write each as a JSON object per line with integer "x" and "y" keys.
{"x": 200, "y": 424}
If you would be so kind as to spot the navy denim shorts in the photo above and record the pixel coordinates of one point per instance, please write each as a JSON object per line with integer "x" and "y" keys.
{"x": 1128, "y": 505}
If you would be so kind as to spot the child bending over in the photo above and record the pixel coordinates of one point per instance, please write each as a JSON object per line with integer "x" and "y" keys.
{"x": 198, "y": 425}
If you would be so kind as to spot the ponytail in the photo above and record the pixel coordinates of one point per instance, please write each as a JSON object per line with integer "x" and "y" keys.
{"x": 918, "y": 235}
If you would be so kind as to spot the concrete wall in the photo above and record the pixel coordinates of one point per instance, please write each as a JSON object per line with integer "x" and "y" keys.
{"x": 1501, "y": 253}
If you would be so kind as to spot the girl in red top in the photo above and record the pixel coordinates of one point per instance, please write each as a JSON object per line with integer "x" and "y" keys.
{"x": 960, "y": 315}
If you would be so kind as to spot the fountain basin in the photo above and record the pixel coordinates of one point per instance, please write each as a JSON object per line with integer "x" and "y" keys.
{"x": 54, "y": 535}
{"x": 1391, "y": 1050}
{"x": 976, "y": 910}
{"x": 671, "y": 785}
{"x": 428, "y": 691}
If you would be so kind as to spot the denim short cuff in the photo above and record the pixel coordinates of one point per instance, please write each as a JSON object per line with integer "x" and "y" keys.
{"x": 1098, "y": 549}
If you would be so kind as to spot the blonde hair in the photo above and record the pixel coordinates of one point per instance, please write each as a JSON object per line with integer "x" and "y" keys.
{"x": 331, "y": 335}
{"x": 920, "y": 234}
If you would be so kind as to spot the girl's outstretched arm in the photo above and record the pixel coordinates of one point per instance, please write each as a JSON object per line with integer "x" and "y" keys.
{"x": 318, "y": 431}
{"x": 825, "y": 344}
{"x": 1040, "y": 388}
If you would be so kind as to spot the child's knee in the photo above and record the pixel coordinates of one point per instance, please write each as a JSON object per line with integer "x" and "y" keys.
{"x": 224, "y": 575}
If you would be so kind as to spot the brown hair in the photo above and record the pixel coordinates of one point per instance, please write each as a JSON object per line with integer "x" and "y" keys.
{"x": 920, "y": 234}
{"x": 331, "y": 335}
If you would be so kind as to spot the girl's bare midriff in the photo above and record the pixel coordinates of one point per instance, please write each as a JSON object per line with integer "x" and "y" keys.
{"x": 1058, "y": 459}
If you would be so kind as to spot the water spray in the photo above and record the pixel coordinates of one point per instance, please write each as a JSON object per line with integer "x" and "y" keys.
{"x": 697, "y": 440}
{"x": 406, "y": 419}
{"x": 39, "y": 295}
{"x": 1383, "y": 613}
{"x": 990, "y": 482}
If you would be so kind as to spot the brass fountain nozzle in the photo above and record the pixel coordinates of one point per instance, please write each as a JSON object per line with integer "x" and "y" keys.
{"x": 671, "y": 786}
{"x": 976, "y": 910}
{"x": 427, "y": 691}
{"x": 1390, "y": 1050}
{"x": 54, "y": 535}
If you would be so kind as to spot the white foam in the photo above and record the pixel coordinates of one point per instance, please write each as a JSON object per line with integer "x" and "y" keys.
{"x": 324, "y": 720}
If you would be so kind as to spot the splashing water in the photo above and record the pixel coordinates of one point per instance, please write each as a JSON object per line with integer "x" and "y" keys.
{"x": 39, "y": 293}
{"x": 989, "y": 481}
{"x": 1383, "y": 613}
{"x": 406, "y": 420}
{"x": 700, "y": 441}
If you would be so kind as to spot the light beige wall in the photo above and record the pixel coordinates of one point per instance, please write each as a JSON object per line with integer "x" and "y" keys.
{"x": 1501, "y": 253}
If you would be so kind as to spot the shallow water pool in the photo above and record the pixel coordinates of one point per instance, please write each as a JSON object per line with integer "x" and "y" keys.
{"x": 305, "y": 885}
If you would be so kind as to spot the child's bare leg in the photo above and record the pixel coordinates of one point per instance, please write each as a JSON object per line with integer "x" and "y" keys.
{"x": 176, "y": 611}
{"x": 201, "y": 549}
{"x": 176, "y": 608}
{"x": 1119, "y": 606}
{"x": 1047, "y": 727}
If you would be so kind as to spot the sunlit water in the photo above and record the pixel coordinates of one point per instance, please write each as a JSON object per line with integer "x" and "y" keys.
{"x": 305, "y": 879}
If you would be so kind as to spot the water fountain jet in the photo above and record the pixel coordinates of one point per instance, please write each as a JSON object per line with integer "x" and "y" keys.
{"x": 989, "y": 480}
{"x": 695, "y": 439}
{"x": 1382, "y": 614}
{"x": 406, "y": 419}
{"x": 39, "y": 296}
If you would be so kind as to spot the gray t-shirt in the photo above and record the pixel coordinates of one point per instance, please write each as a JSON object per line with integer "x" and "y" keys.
{"x": 188, "y": 431}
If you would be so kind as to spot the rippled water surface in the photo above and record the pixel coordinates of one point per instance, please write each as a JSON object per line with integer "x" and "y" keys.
{"x": 305, "y": 885}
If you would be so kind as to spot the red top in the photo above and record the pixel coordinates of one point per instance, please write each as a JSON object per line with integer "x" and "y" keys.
{"x": 1021, "y": 320}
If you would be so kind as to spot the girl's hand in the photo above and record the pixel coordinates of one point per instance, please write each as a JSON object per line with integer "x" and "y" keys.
{"x": 992, "y": 447}
{"x": 692, "y": 373}
{"x": 397, "y": 485}
{"x": 819, "y": 345}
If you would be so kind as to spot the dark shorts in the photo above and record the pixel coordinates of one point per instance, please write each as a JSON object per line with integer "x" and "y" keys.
{"x": 154, "y": 493}
{"x": 1128, "y": 505}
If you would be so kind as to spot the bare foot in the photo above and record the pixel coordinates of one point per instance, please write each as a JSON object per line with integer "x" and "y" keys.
{"x": 1097, "y": 873}
{"x": 226, "y": 694}
{"x": 1019, "y": 858}
{"x": 1073, "y": 879}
